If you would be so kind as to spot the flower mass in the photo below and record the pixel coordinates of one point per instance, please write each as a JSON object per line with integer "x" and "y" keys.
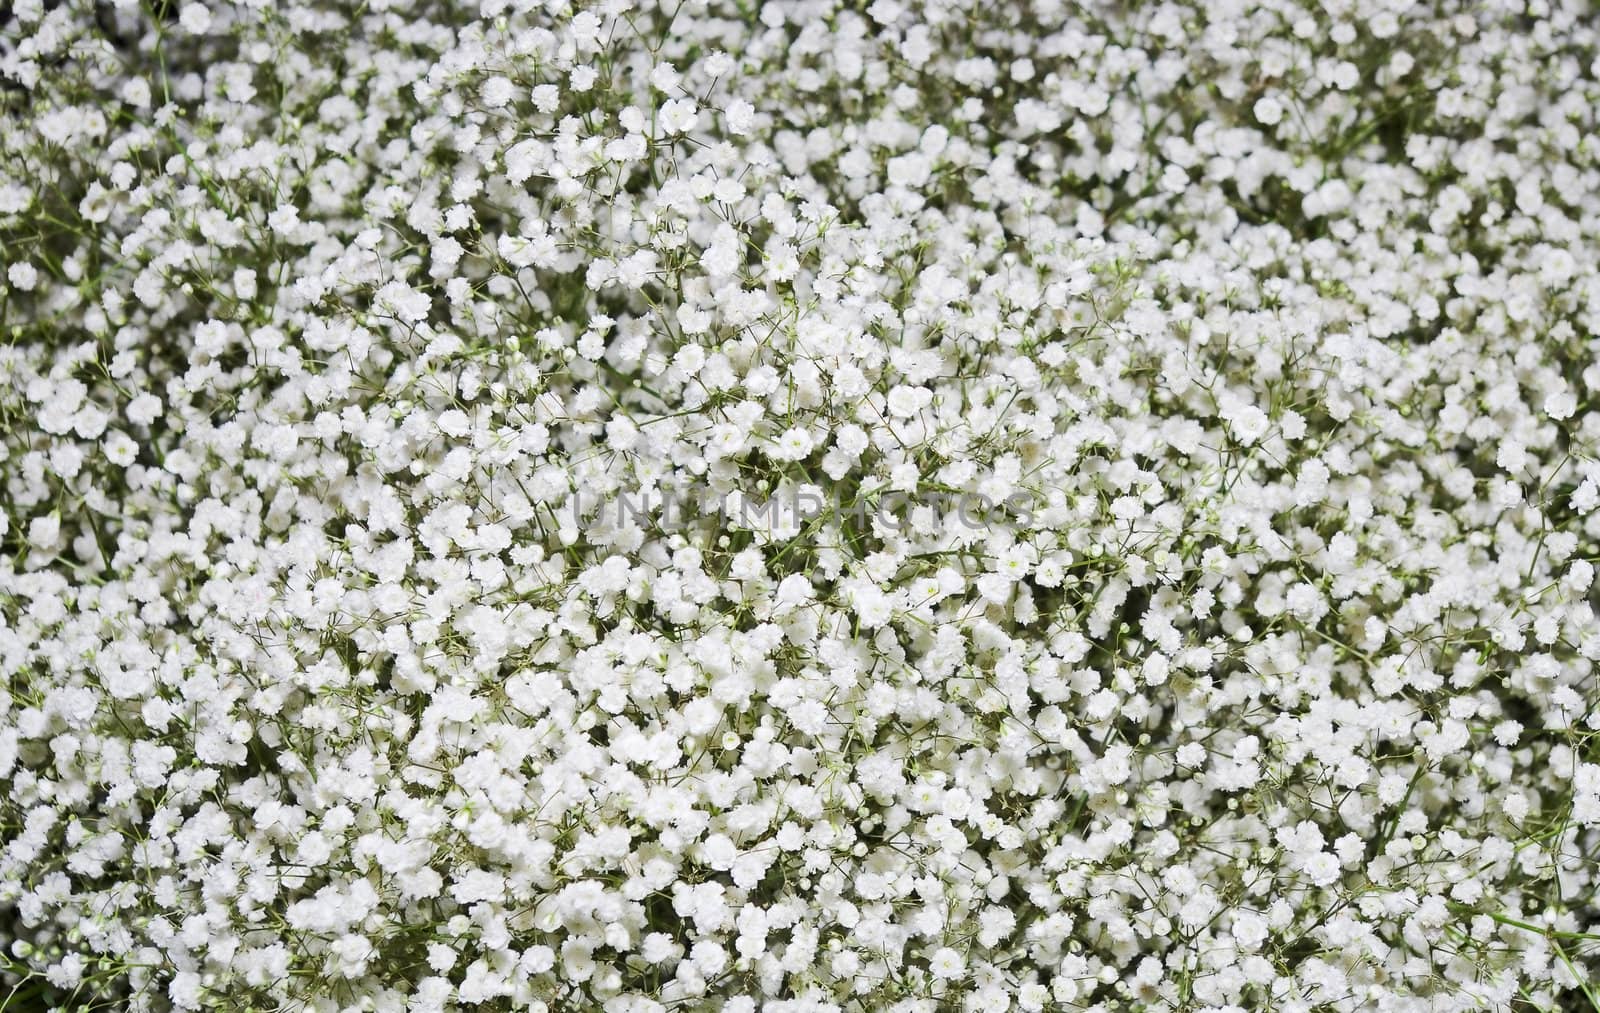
{"x": 799, "y": 506}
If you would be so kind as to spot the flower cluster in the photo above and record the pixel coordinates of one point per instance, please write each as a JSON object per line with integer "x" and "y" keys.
{"x": 394, "y": 612}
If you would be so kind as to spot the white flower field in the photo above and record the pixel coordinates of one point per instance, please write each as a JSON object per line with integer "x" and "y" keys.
{"x": 799, "y": 506}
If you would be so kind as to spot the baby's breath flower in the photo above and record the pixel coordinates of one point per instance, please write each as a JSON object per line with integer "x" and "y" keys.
{"x": 774, "y": 507}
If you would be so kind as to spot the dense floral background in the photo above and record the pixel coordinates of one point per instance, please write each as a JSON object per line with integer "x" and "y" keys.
{"x": 799, "y": 506}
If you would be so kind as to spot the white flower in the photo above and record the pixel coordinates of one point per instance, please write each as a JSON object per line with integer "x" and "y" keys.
{"x": 195, "y": 18}
{"x": 23, "y": 276}
{"x": 678, "y": 116}
{"x": 739, "y": 116}
{"x": 496, "y": 92}
{"x": 1560, "y": 406}
{"x": 947, "y": 963}
{"x": 791, "y": 445}
{"x": 1247, "y": 423}
{"x": 403, "y": 301}
{"x": 1322, "y": 868}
